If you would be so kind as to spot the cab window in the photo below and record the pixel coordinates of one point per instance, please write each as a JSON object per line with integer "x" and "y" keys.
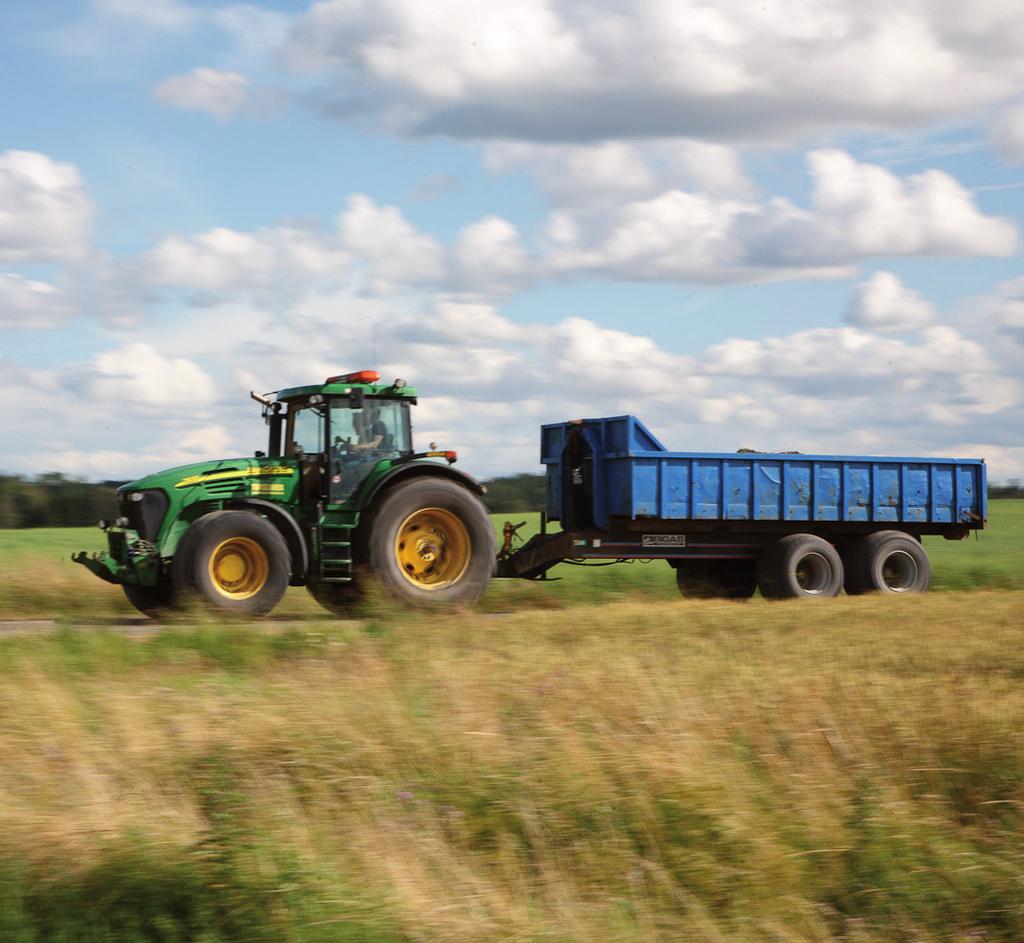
{"x": 360, "y": 438}
{"x": 304, "y": 433}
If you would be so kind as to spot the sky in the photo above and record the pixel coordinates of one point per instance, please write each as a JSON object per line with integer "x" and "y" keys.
{"x": 767, "y": 224}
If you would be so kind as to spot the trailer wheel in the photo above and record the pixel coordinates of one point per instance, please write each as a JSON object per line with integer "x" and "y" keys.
{"x": 152, "y": 601}
{"x": 717, "y": 579}
{"x": 431, "y": 542}
{"x": 800, "y": 566}
{"x": 887, "y": 562}
{"x": 234, "y": 561}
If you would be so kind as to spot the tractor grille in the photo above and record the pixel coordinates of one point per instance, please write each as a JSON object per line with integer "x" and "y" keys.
{"x": 146, "y": 514}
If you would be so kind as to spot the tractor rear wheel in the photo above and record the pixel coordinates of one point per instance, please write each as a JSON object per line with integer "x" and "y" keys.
{"x": 233, "y": 561}
{"x": 431, "y": 542}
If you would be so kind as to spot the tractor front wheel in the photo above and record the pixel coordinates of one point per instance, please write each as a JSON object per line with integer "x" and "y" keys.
{"x": 431, "y": 542}
{"x": 233, "y": 561}
{"x": 153, "y": 601}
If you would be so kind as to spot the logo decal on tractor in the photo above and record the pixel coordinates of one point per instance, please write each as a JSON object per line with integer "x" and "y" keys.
{"x": 235, "y": 473}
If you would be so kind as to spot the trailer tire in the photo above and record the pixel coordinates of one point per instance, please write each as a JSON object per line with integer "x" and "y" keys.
{"x": 152, "y": 601}
{"x": 800, "y": 566}
{"x": 430, "y": 541}
{"x": 233, "y": 561}
{"x": 717, "y": 579}
{"x": 888, "y": 561}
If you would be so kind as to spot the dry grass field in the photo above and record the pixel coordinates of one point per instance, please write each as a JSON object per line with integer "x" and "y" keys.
{"x": 630, "y": 767}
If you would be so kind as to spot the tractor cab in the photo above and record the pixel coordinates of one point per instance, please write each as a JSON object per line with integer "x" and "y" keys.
{"x": 340, "y": 431}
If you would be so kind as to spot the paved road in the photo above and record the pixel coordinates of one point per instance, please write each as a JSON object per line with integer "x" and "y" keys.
{"x": 131, "y": 625}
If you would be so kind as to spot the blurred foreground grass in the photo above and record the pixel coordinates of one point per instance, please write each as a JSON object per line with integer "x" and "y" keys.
{"x": 851, "y": 770}
{"x": 40, "y": 580}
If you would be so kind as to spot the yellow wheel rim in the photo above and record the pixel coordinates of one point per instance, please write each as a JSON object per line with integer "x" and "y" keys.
{"x": 432, "y": 548}
{"x": 239, "y": 567}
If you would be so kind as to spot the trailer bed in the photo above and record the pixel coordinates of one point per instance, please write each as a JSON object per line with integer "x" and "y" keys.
{"x": 606, "y": 472}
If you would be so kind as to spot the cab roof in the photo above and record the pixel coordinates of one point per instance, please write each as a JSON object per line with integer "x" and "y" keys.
{"x": 365, "y": 380}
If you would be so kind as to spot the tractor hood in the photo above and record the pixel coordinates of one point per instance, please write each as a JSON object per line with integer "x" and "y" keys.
{"x": 227, "y": 477}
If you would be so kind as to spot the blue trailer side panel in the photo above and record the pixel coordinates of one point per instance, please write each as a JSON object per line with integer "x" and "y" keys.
{"x": 627, "y": 473}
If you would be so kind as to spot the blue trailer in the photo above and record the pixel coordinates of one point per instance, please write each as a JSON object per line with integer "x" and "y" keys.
{"x": 794, "y": 525}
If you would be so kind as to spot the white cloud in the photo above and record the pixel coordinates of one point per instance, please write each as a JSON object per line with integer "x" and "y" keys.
{"x": 559, "y": 70}
{"x": 829, "y": 382}
{"x": 487, "y": 382}
{"x": 1004, "y": 309}
{"x": 169, "y": 15}
{"x": 30, "y": 304}
{"x": 444, "y": 50}
{"x": 925, "y": 214}
{"x": 488, "y": 257}
{"x": 270, "y": 260}
{"x": 220, "y": 94}
{"x": 857, "y": 211}
{"x": 45, "y": 212}
{"x": 885, "y": 304}
{"x": 254, "y": 31}
{"x": 393, "y": 251}
{"x": 609, "y": 173}
{"x": 577, "y": 173}
{"x": 1008, "y": 134}
{"x": 138, "y": 374}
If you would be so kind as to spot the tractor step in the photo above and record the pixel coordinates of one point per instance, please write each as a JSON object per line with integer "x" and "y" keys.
{"x": 335, "y": 552}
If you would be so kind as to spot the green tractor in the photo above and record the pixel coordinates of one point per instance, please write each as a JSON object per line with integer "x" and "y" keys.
{"x": 342, "y": 501}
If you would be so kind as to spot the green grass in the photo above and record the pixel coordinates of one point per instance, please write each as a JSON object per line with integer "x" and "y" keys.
{"x": 995, "y": 557}
{"x": 844, "y": 771}
{"x": 42, "y": 581}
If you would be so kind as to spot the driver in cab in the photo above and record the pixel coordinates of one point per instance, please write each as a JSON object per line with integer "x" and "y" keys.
{"x": 369, "y": 429}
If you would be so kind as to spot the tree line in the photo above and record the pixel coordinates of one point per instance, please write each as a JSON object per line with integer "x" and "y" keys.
{"x": 54, "y": 500}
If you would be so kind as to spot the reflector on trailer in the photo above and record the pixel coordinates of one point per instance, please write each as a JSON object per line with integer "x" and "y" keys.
{"x": 360, "y": 376}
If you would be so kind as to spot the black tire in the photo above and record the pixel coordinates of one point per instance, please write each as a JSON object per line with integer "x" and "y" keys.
{"x": 233, "y": 561}
{"x": 339, "y": 599}
{"x": 430, "y": 541}
{"x": 153, "y": 601}
{"x": 800, "y": 566}
{"x": 717, "y": 579}
{"x": 887, "y": 562}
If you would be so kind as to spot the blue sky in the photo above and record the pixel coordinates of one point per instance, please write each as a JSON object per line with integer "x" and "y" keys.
{"x": 794, "y": 225}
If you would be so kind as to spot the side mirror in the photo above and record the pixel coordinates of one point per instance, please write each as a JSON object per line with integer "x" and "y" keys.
{"x": 357, "y": 398}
